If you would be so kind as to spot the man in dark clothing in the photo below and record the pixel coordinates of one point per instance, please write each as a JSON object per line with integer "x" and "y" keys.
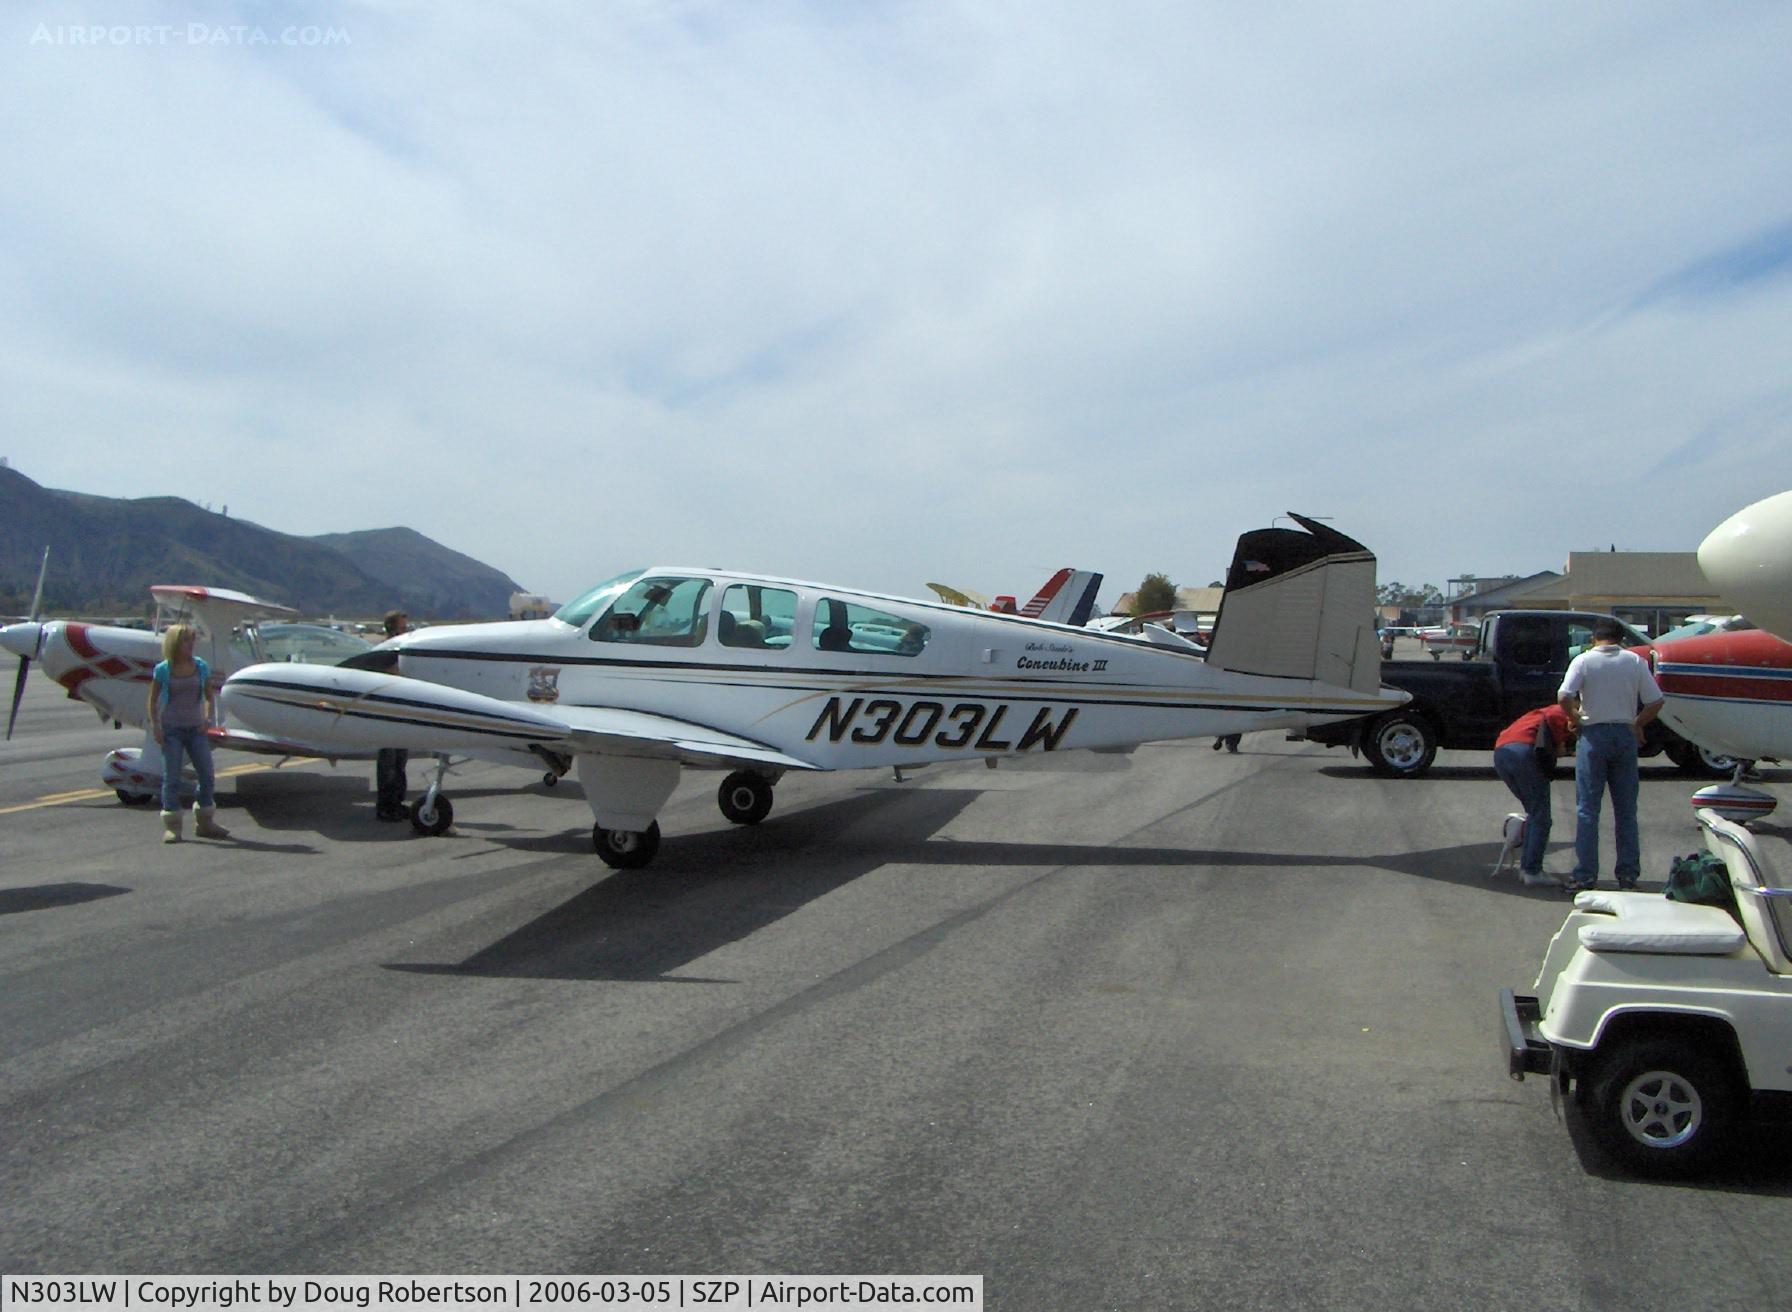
{"x": 388, "y": 770}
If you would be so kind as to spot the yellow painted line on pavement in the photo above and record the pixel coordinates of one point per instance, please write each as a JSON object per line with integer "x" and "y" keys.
{"x": 94, "y": 794}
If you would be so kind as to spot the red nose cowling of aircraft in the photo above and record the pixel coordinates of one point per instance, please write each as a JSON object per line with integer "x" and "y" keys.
{"x": 1729, "y": 692}
{"x": 1748, "y": 559}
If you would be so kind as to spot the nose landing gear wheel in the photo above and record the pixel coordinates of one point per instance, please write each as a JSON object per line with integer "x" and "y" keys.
{"x": 430, "y": 821}
{"x": 745, "y": 798}
{"x": 626, "y": 849}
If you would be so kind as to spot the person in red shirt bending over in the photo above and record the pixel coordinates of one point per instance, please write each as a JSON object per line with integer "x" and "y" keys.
{"x": 1524, "y": 756}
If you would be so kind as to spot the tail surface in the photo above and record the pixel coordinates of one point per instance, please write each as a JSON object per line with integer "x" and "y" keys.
{"x": 1300, "y": 605}
{"x": 1068, "y": 597}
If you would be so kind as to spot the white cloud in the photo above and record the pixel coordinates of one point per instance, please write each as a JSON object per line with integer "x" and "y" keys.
{"x": 906, "y": 291}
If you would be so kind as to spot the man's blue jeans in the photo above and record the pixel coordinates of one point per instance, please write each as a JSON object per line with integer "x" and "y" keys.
{"x": 1606, "y": 759}
{"x": 1516, "y": 763}
{"x": 193, "y": 744}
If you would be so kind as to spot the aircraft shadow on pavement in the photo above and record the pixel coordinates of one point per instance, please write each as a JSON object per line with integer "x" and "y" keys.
{"x": 710, "y": 889}
{"x": 1649, "y": 773}
{"x": 41, "y": 897}
{"x": 707, "y": 890}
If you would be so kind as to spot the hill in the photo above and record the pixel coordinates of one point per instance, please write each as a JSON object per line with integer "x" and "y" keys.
{"x": 105, "y": 552}
{"x": 432, "y": 579}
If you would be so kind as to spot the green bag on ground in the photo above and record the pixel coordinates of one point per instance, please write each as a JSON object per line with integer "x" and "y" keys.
{"x": 1704, "y": 879}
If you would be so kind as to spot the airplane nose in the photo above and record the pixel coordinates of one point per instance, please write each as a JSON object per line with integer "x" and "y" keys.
{"x": 22, "y": 639}
{"x": 1748, "y": 559}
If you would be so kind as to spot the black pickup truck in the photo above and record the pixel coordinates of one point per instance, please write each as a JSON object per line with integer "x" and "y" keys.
{"x": 1516, "y": 666}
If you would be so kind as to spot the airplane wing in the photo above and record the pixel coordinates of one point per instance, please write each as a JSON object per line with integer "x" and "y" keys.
{"x": 337, "y": 710}
{"x": 607, "y": 730}
{"x": 959, "y": 597}
{"x": 261, "y": 744}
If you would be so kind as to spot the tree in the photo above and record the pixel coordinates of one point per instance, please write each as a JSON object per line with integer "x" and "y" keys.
{"x": 1398, "y": 594}
{"x": 1155, "y": 593}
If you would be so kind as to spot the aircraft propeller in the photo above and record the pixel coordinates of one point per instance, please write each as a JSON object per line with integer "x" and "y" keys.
{"x": 29, "y": 639}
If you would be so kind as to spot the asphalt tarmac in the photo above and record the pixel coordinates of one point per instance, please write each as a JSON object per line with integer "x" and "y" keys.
{"x": 1182, "y": 1030}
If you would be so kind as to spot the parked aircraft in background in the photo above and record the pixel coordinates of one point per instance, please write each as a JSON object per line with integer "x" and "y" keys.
{"x": 108, "y": 667}
{"x": 1068, "y": 597}
{"x": 661, "y": 669}
{"x": 1730, "y": 691}
{"x": 1748, "y": 559}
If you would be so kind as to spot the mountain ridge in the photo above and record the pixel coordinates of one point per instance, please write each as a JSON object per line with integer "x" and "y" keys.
{"x": 105, "y": 552}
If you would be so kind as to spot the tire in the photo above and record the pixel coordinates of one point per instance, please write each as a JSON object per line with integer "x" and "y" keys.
{"x": 128, "y": 798}
{"x": 1663, "y": 1106}
{"x": 745, "y": 798}
{"x": 1401, "y": 745}
{"x": 437, "y": 821}
{"x": 626, "y": 849}
{"x": 1701, "y": 763}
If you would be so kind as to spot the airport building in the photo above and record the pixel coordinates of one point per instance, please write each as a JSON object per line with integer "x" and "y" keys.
{"x": 1653, "y": 590}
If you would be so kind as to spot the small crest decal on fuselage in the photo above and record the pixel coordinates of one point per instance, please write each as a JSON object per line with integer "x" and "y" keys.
{"x": 544, "y": 683}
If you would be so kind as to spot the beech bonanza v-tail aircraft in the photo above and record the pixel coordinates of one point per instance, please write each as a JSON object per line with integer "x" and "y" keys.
{"x": 663, "y": 668}
{"x": 108, "y": 667}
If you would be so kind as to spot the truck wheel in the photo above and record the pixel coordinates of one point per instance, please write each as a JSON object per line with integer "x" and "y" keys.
{"x": 1401, "y": 745}
{"x": 1662, "y": 1107}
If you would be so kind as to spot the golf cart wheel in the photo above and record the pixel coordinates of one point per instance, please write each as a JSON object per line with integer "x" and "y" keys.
{"x": 1663, "y": 1106}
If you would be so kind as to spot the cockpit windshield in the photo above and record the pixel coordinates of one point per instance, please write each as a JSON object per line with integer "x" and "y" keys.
{"x": 579, "y": 610}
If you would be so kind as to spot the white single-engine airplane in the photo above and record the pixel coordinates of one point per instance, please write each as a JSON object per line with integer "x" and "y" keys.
{"x": 663, "y": 668}
{"x": 1731, "y": 692}
{"x": 108, "y": 667}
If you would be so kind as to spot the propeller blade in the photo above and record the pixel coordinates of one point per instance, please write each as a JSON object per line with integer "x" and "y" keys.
{"x": 18, "y": 694}
{"x": 37, "y": 601}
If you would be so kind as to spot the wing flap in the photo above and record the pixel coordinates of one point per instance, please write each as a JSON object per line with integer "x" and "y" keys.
{"x": 612, "y": 731}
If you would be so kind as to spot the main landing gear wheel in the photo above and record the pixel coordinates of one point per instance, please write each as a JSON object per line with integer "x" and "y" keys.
{"x": 432, "y": 821}
{"x": 1702, "y": 762}
{"x": 550, "y": 779}
{"x": 134, "y": 799}
{"x": 745, "y": 797}
{"x": 626, "y": 849}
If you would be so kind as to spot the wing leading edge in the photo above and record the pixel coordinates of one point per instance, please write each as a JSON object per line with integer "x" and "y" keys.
{"x": 335, "y": 709}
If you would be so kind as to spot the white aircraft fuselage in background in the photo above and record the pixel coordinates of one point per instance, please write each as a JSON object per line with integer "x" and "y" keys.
{"x": 1731, "y": 692}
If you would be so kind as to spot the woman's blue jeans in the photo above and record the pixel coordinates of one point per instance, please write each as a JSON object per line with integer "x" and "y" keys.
{"x": 1516, "y": 763}
{"x": 196, "y": 747}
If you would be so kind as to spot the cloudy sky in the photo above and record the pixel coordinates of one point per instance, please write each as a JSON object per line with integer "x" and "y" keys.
{"x": 885, "y": 291}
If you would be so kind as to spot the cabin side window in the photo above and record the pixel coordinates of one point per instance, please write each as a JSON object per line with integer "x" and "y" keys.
{"x": 658, "y": 612}
{"x": 756, "y": 618}
{"x": 847, "y": 626}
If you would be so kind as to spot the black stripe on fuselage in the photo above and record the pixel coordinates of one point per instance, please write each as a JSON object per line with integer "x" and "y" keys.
{"x": 1084, "y": 696}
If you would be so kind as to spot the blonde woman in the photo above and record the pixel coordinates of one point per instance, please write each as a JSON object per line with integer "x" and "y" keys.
{"x": 182, "y": 705}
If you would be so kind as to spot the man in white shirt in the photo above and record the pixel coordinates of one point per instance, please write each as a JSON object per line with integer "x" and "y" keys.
{"x": 1613, "y": 696}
